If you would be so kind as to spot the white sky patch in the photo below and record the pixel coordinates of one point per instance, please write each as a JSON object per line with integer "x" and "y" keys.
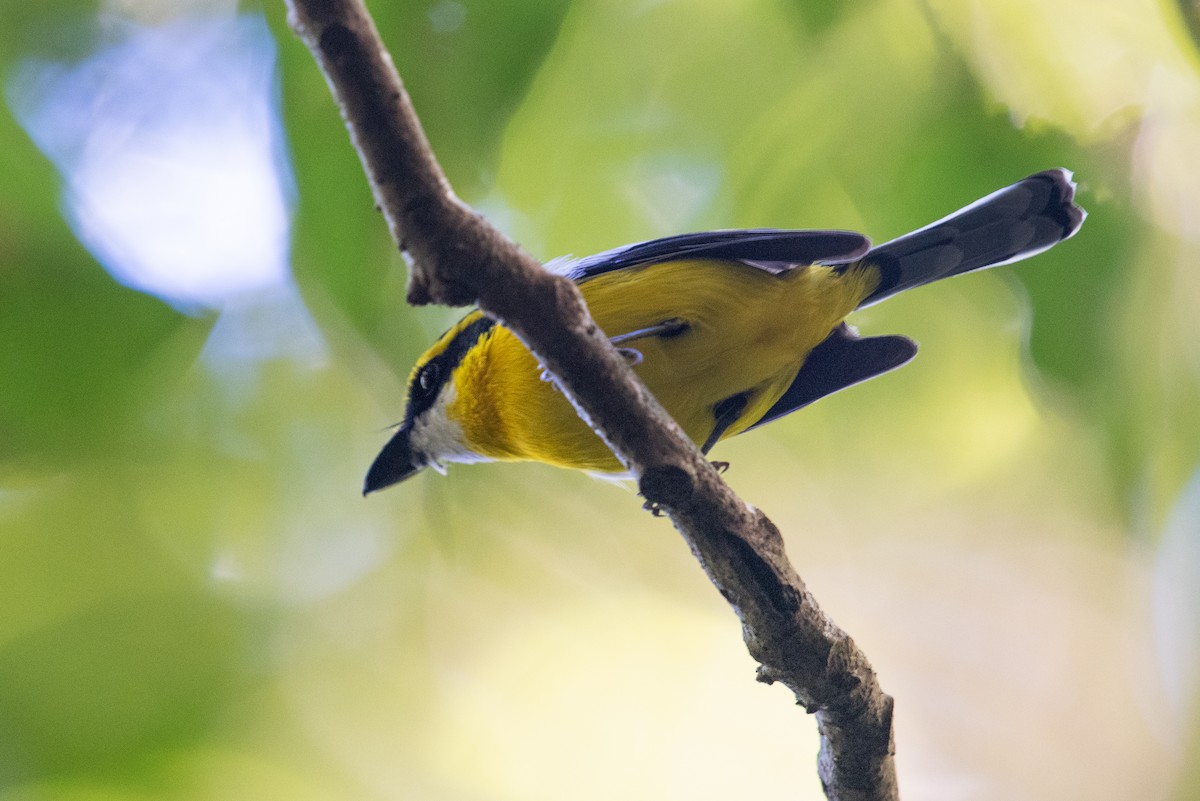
{"x": 170, "y": 148}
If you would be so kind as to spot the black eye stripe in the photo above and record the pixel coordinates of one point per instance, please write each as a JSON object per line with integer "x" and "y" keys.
{"x": 433, "y": 375}
{"x": 463, "y": 342}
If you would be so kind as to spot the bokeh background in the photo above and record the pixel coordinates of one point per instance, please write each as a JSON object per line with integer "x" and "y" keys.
{"x": 203, "y": 339}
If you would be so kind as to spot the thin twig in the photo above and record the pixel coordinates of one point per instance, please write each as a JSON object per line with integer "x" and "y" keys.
{"x": 458, "y": 258}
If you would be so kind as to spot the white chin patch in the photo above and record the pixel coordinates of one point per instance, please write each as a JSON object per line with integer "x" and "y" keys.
{"x": 437, "y": 438}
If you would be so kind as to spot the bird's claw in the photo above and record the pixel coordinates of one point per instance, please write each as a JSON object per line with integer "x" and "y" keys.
{"x": 632, "y": 356}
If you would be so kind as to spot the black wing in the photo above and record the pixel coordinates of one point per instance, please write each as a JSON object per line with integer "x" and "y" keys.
{"x": 768, "y": 249}
{"x": 842, "y": 360}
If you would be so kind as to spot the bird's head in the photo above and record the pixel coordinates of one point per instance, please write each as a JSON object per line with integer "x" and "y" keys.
{"x": 431, "y": 432}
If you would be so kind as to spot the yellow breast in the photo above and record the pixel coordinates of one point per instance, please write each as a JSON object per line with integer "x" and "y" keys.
{"x": 748, "y": 331}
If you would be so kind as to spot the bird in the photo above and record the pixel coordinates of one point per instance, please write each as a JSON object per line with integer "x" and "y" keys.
{"x": 729, "y": 329}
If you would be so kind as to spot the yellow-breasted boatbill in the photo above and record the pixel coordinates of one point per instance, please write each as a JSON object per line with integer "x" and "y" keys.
{"x": 728, "y": 329}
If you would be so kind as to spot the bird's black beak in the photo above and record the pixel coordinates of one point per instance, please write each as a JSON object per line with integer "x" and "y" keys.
{"x": 393, "y": 464}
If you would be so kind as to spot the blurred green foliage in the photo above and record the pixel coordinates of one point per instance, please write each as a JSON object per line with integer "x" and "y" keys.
{"x": 196, "y": 604}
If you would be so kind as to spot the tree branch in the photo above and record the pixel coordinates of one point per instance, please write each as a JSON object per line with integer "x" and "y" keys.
{"x": 458, "y": 258}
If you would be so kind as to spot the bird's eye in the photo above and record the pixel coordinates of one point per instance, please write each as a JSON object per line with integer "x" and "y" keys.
{"x": 427, "y": 378}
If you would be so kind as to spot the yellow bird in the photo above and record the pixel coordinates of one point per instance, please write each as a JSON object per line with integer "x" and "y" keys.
{"x": 728, "y": 329}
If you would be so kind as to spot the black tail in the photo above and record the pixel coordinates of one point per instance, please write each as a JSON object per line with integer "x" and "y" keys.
{"x": 1012, "y": 224}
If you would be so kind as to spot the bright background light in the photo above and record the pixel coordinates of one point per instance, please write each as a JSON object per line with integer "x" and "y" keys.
{"x": 171, "y": 151}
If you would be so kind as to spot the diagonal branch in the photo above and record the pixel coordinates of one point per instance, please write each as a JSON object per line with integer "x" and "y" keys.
{"x": 458, "y": 258}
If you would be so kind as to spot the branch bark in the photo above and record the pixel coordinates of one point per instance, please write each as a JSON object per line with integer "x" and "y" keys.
{"x": 458, "y": 258}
